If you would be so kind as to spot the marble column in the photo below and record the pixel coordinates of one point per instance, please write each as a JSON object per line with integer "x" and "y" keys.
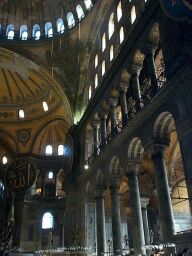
{"x": 136, "y": 88}
{"x": 103, "y": 128}
{"x": 130, "y": 235}
{"x": 100, "y": 222}
{"x": 151, "y": 68}
{"x": 136, "y": 215}
{"x": 185, "y": 147}
{"x": 163, "y": 194}
{"x": 123, "y": 102}
{"x": 144, "y": 203}
{"x": 95, "y": 125}
{"x": 113, "y": 104}
{"x": 18, "y": 217}
{"x": 116, "y": 219}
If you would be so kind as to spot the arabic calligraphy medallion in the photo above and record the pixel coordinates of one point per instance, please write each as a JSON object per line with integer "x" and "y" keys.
{"x": 20, "y": 175}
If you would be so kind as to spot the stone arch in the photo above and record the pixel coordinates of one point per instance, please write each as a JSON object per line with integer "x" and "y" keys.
{"x": 135, "y": 149}
{"x": 44, "y": 128}
{"x": 163, "y": 125}
{"x": 114, "y": 166}
{"x": 99, "y": 178}
{"x": 89, "y": 187}
{"x": 8, "y": 141}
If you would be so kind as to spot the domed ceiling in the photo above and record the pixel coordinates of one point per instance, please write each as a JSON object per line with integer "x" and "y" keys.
{"x": 26, "y": 87}
{"x": 28, "y": 13}
{"x": 26, "y": 94}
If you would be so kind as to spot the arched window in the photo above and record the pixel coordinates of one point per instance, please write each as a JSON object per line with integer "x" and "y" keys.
{"x": 111, "y": 53}
{"x": 10, "y": 31}
{"x": 88, "y": 4}
{"x": 111, "y": 26}
{"x": 90, "y": 92}
{"x": 48, "y": 29}
{"x": 36, "y": 32}
{"x": 47, "y": 221}
{"x": 80, "y": 12}
{"x": 133, "y": 14}
{"x": 119, "y": 11}
{"x": 23, "y": 32}
{"x": 103, "y": 67}
{"x": 60, "y": 26}
{"x": 96, "y": 60}
{"x": 50, "y": 175}
{"x": 21, "y": 114}
{"x": 121, "y": 35}
{"x": 49, "y": 150}
{"x": 60, "y": 150}
{"x": 45, "y": 106}
{"x": 70, "y": 20}
{"x": 96, "y": 81}
{"x": 103, "y": 42}
{"x": 4, "y": 160}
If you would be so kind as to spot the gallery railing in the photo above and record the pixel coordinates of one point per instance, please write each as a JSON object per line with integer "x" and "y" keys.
{"x": 146, "y": 97}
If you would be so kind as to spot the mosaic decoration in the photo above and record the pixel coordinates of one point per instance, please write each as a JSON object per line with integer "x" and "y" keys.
{"x": 177, "y": 9}
{"x": 24, "y": 135}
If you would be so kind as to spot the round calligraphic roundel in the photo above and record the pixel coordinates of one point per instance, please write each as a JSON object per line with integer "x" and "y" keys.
{"x": 20, "y": 175}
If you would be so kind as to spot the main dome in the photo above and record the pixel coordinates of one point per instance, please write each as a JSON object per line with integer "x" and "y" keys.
{"x": 36, "y": 19}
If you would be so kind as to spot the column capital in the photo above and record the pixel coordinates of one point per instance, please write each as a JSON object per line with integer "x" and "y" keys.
{"x": 135, "y": 70}
{"x": 113, "y": 102}
{"x": 123, "y": 87}
{"x": 158, "y": 148}
{"x": 102, "y": 115}
{"x": 144, "y": 201}
{"x": 104, "y": 108}
{"x": 95, "y": 124}
{"x": 133, "y": 166}
{"x": 100, "y": 192}
{"x": 114, "y": 183}
{"x": 150, "y": 49}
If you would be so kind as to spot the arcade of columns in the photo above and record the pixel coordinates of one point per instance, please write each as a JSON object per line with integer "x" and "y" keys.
{"x": 149, "y": 129}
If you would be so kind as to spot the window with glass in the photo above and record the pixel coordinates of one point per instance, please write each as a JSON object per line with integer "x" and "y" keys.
{"x": 23, "y": 32}
{"x": 48, "y": 29}
{"x": 21, "y": 114}
{"x": 103, "y": 67}
{"x": 80, "y": 12}
{"x": 121, "y": 35}
{"x": 96, "y": 81}
{"x": 88, "y": 4}
{"x": 60, "y": 26}
{"x": 133, "y": 14}
{"x": 47, "y": 221}
{"x": 10, "y": 31}
{"x": 70, "y": 20}
{"x": 111, "y": 26}
{"x": 103, "y": 42}
{"x": 119, "y": 12}
{"x": 60, "y": 150}
{"x": 36, "y": 32}
{"x": 45, "y": 106}
{"x": 49, "y": 150}
{"x": 90, "y": 92}
{"x": 111, "y": 53}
